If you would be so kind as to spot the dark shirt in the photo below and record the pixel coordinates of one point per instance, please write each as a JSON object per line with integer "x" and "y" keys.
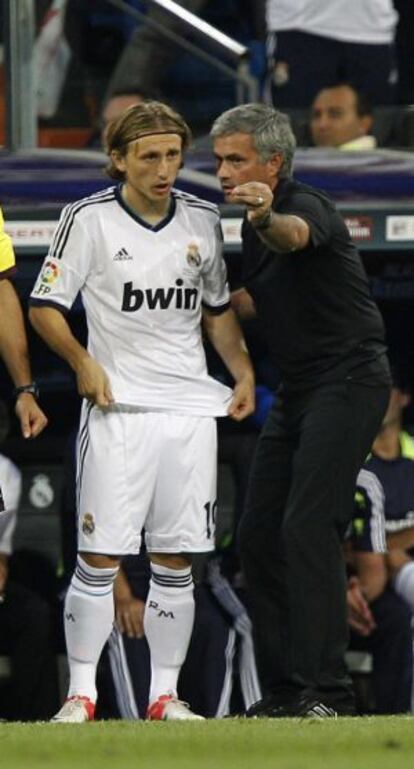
{"x": 320, "y": 320}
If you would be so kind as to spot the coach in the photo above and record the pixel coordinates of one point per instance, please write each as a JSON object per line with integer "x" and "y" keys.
{"x": 304, "y": 276}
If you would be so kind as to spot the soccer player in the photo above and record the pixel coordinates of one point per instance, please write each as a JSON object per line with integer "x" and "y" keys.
{"x": 147, "y": 260}
{"x": 305, "y": 278}
{"x": 13, "y": 344}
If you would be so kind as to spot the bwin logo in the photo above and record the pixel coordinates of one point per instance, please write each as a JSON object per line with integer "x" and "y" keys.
{"x": 159, "y": 298}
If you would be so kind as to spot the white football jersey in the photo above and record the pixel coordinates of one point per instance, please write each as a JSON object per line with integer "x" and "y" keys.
{"x": 143, "y": 288}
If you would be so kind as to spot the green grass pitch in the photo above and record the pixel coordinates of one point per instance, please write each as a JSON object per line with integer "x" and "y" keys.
{"x": 348, "y": 743}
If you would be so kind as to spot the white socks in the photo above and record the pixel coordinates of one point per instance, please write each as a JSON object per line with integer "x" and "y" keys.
{"x": 404, "y": 583}
{"x": 89, "y": 616}
{"x": 168, "y": 624}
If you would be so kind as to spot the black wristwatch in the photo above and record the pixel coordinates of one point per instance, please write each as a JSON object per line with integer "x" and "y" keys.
{"x": 31, "y": 388}
{"x": 265, "y": 223}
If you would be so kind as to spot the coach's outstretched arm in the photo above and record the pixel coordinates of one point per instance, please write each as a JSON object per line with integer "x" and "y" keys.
{"x": 280, "y": 232}
{"x": 92, "y": 380}
{"x": 227, "y": 339}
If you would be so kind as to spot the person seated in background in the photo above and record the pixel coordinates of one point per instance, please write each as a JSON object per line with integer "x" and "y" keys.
{"x": 152, "y": 64}
{"x": 26, "y": 623}
{"x": 341, "y": 117}
{"x": 312, "y": 45}
{"x": 380, "y": 620}
{"x": 392, "y": 464}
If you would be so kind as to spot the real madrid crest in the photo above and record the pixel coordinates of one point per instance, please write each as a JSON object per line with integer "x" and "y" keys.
{"x": 88, "y": 523}
{"x": 193, "y": 255}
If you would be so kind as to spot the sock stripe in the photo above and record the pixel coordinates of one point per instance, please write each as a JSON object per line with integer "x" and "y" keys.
{"x": 94, "y": 580}
{"x": 172, "y": 581}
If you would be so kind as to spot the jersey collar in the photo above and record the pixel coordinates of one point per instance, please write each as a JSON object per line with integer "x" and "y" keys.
{"x": 152, "y": 227}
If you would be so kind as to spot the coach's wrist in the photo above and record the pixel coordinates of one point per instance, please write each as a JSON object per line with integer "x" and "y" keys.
{"x": 264, "y": 222}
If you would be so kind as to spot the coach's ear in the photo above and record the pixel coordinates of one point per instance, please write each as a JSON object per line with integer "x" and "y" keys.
{"x": 275, "y": 163}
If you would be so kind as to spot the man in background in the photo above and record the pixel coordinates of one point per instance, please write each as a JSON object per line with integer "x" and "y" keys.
{"x": 31, "y": 692}
{"x": 341, "y": 117}
{"x": 391, "y": 462}
{"x": 315, "y": 45}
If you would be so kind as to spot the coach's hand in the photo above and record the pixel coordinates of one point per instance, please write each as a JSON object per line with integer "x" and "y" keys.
{"x": 257, "y": 198}
{"x": 243, "y": 400}
{"x": 93, "y": 382}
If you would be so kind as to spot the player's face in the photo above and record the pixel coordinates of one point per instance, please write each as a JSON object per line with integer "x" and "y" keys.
{"x": 238, "y": 162}
{"x": 151, "y": 165}
{"x": 335, "y": 120}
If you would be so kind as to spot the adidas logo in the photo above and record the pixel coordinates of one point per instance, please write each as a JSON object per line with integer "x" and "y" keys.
{"x": 122, "y": 256}
{"x": 319, "y": 710}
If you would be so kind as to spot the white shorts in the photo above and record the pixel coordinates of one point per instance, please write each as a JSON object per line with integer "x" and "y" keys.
{"x": 152, "y": 470}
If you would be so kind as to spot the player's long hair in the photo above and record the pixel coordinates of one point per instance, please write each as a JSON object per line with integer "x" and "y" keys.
{"x": 151, "y": 117}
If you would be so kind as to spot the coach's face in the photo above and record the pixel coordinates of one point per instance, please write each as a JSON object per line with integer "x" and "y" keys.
{"x": 238, "y": 162}
{"x": 150, "y": 165}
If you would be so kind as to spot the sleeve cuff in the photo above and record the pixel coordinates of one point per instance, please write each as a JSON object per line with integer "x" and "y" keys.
{"x": 8, "y": 273}
{"x": 216, "y": 310}
{"x": 49, "y": 303}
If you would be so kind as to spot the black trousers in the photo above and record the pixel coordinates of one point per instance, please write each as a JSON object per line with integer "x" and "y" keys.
{"x": 299, "y": 505}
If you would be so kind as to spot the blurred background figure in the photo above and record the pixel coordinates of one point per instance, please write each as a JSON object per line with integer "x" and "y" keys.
{"x": 151, "y": 65}
{"x": 101, "y": 60}
{"x": 380, "y": 620}
{"x": 404, "y": 50}
{"x": 30, "y": 693}
{"x": 341, "y": 117}
{"x": 141, "y": 68}
{"x": 392, "y": 463}
{"x": 315, "y": 45}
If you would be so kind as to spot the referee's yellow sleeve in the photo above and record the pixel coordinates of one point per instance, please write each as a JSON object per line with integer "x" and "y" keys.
{"x": 7, "y": 260}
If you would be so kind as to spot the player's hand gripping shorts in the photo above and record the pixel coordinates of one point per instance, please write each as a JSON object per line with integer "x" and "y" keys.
{"x": 145, "y": 469}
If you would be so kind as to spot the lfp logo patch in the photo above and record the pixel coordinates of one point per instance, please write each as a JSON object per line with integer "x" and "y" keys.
{"x": 50, "y": 273}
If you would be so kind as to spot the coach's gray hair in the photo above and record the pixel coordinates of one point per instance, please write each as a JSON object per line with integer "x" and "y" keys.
{"x": 270, "y": 130}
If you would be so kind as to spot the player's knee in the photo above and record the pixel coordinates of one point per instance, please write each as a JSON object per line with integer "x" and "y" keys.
{"x": 98, "y": 561}
{"x": 171, "y": 560}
